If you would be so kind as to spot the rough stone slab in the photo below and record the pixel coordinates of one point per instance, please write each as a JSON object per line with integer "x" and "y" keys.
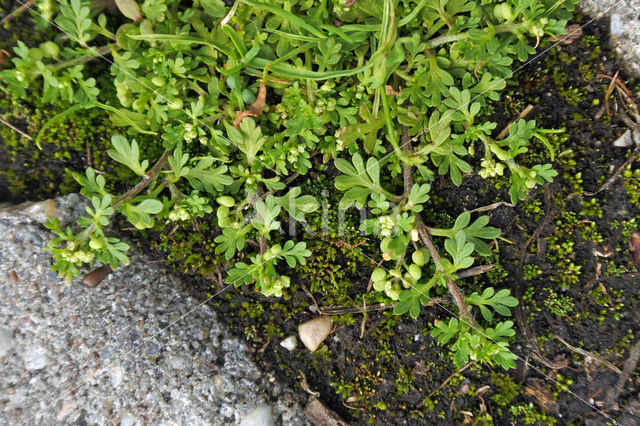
{"x": 624, "y": 16}
{"x": 135, "y": 349}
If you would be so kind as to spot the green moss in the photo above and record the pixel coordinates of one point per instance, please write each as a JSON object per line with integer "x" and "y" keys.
{"x": 530, "y": 272}
{"x": 561, "y": 385}
{"x": 404, "y": 380}
{"x": 506, "y": 389}
{"x": 66, "y": 147}
{"x": 632, "y": 185}
{"x": 558, "y": 305}
{"x": 530, "y": 415}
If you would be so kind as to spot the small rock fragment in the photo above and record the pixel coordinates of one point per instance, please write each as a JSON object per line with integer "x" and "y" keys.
{"x": 96, "y": 276}
{"x": 259, "y": 416}
{"x": 116, "y": 374}
{"x": 127, "y": 420}
{"x": 6, "y": 341}
{"x": 178, "y": 362}
{"x": 313, "y": 332}
{"x": 289, "y": 343}
{"x": 616, "y": 24}
{"x": 320, "y": 415}
{"x": 624, "y": 141}
{"x": 13, "y": 277}
{"x": 35, "y": 358}
{"x": 67, "y": 408}
{"x": 41, "y": 211}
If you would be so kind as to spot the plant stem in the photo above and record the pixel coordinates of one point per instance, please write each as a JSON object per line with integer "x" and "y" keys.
{"x": 448, "y": 38}
{"x": 92, "y": 53}
{"x": 263, "y": 244}
{"x": 391, "y": 132}
{"x": 17, "y": 11}
{"x": 144, "y": 182}
{"x": 453, "y": 288}
{"x": 406, "y": 169}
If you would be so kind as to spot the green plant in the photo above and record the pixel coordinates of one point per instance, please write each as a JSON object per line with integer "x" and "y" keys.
{"x": 530, "y": 415}
{"x": 529, "y": 272}
{"x": 558, "y": 305}
{"x": 241, "y": 101}
{"x": 506, "y": 388}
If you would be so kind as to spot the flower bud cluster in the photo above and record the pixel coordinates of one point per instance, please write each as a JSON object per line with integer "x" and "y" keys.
{"x": 294, "y": 152}
{"x": 178, "y": 213}
{"x": 491, "y": 168}
{"x": 322, "y": 106}
{"x": 189, "y": 132}
{"x": 386, "y": 225}
{"x": 277, "y": 287}
{"x": 70, "y": 254}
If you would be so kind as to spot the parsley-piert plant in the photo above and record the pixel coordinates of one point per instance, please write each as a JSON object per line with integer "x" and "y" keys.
{"x": 240, "y": 100}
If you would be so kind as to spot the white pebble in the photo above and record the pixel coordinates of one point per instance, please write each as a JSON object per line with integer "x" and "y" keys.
{"x": 289, "y": 343}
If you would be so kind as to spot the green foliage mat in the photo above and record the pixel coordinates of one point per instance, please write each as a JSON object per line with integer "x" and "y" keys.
{"x": 237, "y": 124}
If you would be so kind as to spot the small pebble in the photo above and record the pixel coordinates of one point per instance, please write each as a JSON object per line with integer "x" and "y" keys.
{"x": 67, "y": 408}
{"x": 6, "y": 341}
{"x": 313, "y": 332}
{"x": 116, "y": 374}
{"x": 624, "y": 141}
{"x": 96, "y": 276}
{"x": 41, "y": 211}
{"x": 35, "y": 358}
{"x": 13, "y": 277}
{"x": 616, "y": 25}
{"x": 127, "y": 420}
{"x": 259, "y": 416}
{"x": 152, "y": 348}
{"x": 289, "y": 343}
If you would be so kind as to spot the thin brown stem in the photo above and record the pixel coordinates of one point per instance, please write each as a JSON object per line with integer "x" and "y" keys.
{"x": 17, "y": 11}
{"x": 617, "y": 173}
{"x": 263, "y": 244}
{"x": 503, "y": 134}
{"x": 629, "y": 367}
{"x": 453, "y": 288}
{"x": 460, "y": 370}
{"x": 144, "y": 182}
{"x": 15, "y": 129}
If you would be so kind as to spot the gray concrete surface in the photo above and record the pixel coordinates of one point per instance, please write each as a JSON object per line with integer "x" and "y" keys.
{"x": 624, "y": 16}
{"x": 135, "y": 349}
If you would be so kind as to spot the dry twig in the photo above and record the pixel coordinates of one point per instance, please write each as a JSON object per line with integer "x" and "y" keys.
{"x": 589, "y": 355}
{"x": 464, "y": 367}
{"x": 504, "y": 132}
{"x": 305, "y": 385}
{"x": 617, "y": 173}
{"x": 18, "y": 11}
{"x": 15, "y": 129}
{"x": 629, "y": 366}
{"x": 491, "y": 207}
{"x": 476, "y": 270}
